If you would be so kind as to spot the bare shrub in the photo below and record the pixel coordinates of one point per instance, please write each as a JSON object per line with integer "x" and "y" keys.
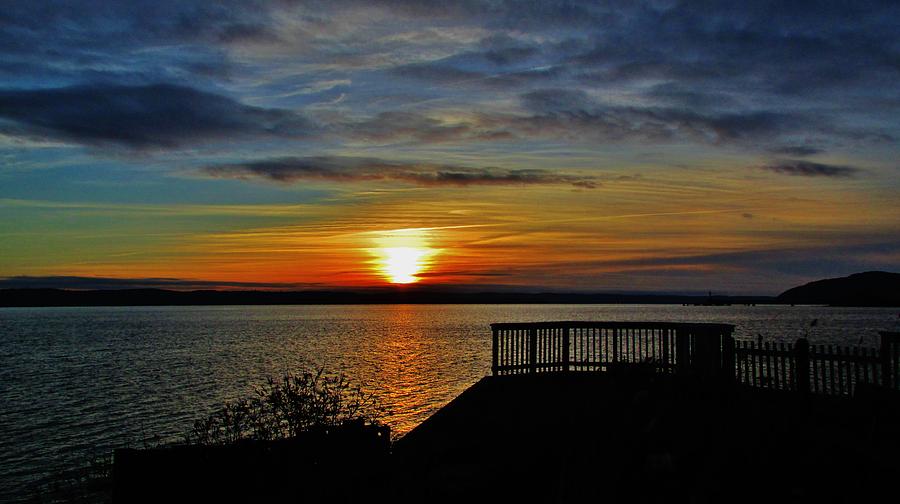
{"x": 284, "y": 408}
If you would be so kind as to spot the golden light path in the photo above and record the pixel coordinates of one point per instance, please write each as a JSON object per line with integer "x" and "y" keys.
{"x": 403, "y": 255}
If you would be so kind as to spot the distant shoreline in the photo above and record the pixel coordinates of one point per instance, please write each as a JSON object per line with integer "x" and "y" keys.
{"x": 867, "y": 289}
{"x": 160, "y": 297}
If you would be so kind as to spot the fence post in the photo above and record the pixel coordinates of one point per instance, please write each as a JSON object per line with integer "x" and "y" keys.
{"x": 532, "y": 350}
{"x": 494, "y": 350}
{"x": 801, "y": 365}
{"x": 682, "y": 350}
{"x": 890, "y": 359}
{"x": 712, "y": 353}
{"x": 615, "y": 346}
{"x": 729, "y": 370}
{"x": 666, "y": 358}
{"x": 565, "y": 349}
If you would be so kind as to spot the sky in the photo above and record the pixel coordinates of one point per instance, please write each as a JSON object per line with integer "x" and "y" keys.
{"x": 661, "y": 146}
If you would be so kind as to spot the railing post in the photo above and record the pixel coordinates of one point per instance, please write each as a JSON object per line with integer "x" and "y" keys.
{"x": 705, "y": 352}
{"x": 801, "y": 365}
{"x": 615, "y": 346}
{"x": 532, "y": 350}
{"x": 565, "y": 349}
{"x": 729, "y": 370}
{"x": 711, "y": 352}
{"x": 682, "y": 349}
{"x": 666, "y": 358}
{"x": 890, "y": 359}
{"x": 494, "y": 350}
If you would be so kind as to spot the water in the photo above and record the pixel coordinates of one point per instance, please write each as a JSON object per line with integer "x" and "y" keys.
{"x": 77, "y": 381}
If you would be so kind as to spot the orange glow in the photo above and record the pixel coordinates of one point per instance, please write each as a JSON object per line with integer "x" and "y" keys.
{"x": 477, "y": 235}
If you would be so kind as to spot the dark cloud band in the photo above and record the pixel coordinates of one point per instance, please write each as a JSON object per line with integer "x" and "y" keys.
{"x": 149, "y": 116}
{"x": 348, "y": 169}
{"x": 810, "y": 169}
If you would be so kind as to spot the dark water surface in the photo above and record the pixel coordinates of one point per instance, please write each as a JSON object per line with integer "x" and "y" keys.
{"x": 77, "y": 381}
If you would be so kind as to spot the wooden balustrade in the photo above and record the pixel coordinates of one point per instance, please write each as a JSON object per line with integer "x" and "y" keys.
{"x": 602, "y": 346}
{"x": 706, "y": 350}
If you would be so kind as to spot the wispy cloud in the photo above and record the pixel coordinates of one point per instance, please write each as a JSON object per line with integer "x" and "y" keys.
{"x": 809, "y": 169}
{"x": 796, "y": 150}
{"x": 574, "y": 113}
{"x": 350, "y": 169}
{"x": 90, "y": 283}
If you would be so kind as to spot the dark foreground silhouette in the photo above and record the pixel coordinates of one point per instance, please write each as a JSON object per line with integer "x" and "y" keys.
{"x": 336, "y": 464}
{"x": 625, "y": 436}
{"x": 652, "y": 438}
{"x": 575, "y": 411}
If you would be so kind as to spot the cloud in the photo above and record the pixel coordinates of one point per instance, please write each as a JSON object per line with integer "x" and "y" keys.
{"x": 82, "y": 40}
{"x": 753, "y": 74}
{"x": 96, "y": 283}
{"x": 809, "y": 169}
{"x": 704, "y": 73}
{"x": 796, "y": 150}
{"x": 574, "y": 114}
{"x": 170, "y": 116}
{"x": 502, "y": 50}
{"x": 435, "y": 72}
{"x": 350, "y": 169}
{"x": 390, "y": 127}
{"x": 695, "y": 98}
{"x": 831, "y": 258}
{"x": 462, "y": 273}
{"x": 502, "y": 14}
{"x": 447, "y": 74}
{"x": 138, "y": 23}
{"x": 678, "y": 70}
{"x": 550, "y": 101}
{"x": 769, "y": 47}
{"x": 147, "y": 116}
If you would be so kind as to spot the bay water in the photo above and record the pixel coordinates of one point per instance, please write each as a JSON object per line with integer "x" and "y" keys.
{"x": 76, "y": 382}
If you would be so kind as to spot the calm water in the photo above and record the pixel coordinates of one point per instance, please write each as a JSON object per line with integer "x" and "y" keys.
{"x": 76, "y": 381}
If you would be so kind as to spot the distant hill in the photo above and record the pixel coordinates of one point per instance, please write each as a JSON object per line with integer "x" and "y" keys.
{"x": 872, "y": 288}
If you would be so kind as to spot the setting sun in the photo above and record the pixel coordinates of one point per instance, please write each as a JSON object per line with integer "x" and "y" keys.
{"x": 402, "y": 264}
{"x": 402, "y": 255}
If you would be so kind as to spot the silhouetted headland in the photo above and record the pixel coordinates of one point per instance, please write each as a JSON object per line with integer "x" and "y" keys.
{"x": 872, "y": 288}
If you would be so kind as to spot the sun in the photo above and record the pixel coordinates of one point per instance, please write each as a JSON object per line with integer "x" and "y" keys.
{"x": 401, "y": 264}
{"x": 402, "y": 256}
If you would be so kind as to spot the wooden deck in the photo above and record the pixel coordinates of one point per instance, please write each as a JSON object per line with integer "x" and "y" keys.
{"x": 661, "y": 412}
{"x": 638, "y": 437}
